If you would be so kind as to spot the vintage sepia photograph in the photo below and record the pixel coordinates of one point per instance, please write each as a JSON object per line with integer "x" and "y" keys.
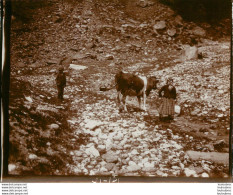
{"x": 120, "y": 88}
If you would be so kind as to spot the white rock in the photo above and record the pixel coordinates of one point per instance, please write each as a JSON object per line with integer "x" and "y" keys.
{"x": 92, "y": 151}
{"x": 142, "y": 125}
{"x": 54, "y": 126}
{"x": 148, "y": 165}
{"x": 199, "y": 31}
{"x": 220, "y": 115}
{"x": 191, "y": 53}
{"x": 188, "y": 172}
{"x": 171, "y": 32}
{"x": 160, "y": 173}
{"x": 177, "y": 146}
{"x": 137, "y": 133}
{"x": 133, "y": 168}
{"x": 78, "y": 153}
{"x": 11, "y": 167}
{"x": 102, "y": 136}
{"x": 145, "y": 160}
{"x": 110, "y": 157}
{"x": 160, "y": 25}
{"x": 28, "y": 99}
{"x": 103, "y": 169}
{"x": 134, "y": 152}
{"x": 91, "y": 124}
{"x": 119, "y": 136}
{"x": 95, "y": 139}
{"x": 205, "y": 175}
{"x": 77, "y": 67}
{"x": 32, "y": 156}
{"x": 177, "y": 109}
{"x": 101, "y": 147}
{"x": 131, "y": 163}
{"x": 109, "y": 144}
{"x": 181, "y": 165}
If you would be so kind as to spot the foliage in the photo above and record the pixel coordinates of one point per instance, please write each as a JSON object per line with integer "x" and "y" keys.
{"x": 201, "y": 10}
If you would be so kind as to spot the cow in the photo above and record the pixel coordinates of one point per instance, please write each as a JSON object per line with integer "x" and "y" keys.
{"x": 128, "y": 84}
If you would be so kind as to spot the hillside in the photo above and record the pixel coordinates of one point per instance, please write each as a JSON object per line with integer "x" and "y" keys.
{"x": 86, "y": 134}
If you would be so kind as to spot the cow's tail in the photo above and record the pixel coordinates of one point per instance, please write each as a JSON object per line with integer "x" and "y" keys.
{"x": 107, "y": 88}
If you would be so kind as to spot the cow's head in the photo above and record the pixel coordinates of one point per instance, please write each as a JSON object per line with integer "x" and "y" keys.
{"x": 154, "y": 81}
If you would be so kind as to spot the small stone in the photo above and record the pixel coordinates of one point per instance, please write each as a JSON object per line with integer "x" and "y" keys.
{"x": 119, "y": 136}
{"x": 92, "y": 151}
{"x": 77, "y": 67}
{"x": 110, "y": 157}
{"x": 78, "y": 153}
{"x": 220, "y": 91}
{"x": 101, "y": 147}
{"x": 20, "y": 65}
{"x": 32, "y": 156}
{"x": 52, "y": 61}
{"x": 91, "y": 124}
{"x": 110, "y": 166}
{"x": 205, "y": 175}
{"x": 191, "y": 53}
{"x": 103, "y": 169}
{"x": 177, "y": 109}
{"x": 131, "y": 163}
{"x": 11, "y": 167}
{"x": 199, "y": 31}
{"x": 133, "y": 168}
{"x": 171, "y": 32}
{"x": 188, "y": 172}
{"x": 134, "y": 152}
{"x": 109, "y": 57}
{"x": 29, "y": 99}
{"x": 148, "y": 165}
{"x": 220, "y": 115}
{"x": 160, "y": 25}
{"x": 54, "y": 126}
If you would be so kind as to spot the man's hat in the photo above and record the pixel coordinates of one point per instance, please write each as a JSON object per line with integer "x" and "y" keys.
{"x": 61, "y": 68}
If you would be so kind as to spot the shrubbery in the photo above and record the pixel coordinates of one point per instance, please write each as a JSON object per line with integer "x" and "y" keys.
{"x": 201, "y": 10}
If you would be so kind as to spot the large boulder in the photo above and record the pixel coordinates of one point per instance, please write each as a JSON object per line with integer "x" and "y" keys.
{"x": 190, "y": 53}
{"x": 216, "y": 157}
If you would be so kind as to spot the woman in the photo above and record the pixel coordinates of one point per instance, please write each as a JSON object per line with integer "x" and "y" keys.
{"x": 168, "y": 92}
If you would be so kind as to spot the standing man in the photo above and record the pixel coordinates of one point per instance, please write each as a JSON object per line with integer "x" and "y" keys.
{"x": 61, "y": 82}
{"x": 167, "y": 107}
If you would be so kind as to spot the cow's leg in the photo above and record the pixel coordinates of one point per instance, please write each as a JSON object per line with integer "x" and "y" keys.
{"x": 144, "y": 101}
{"x": 118, "y": 97}
{"x": 139, "y": 101}
{"x": 124, "y": 102}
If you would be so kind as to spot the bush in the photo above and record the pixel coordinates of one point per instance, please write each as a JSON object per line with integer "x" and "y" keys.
{"x": 201, "y": 10}
{"x": 24, "y": 9}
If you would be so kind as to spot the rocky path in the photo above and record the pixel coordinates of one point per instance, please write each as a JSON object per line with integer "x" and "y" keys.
{"x": 137, "y": 143}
